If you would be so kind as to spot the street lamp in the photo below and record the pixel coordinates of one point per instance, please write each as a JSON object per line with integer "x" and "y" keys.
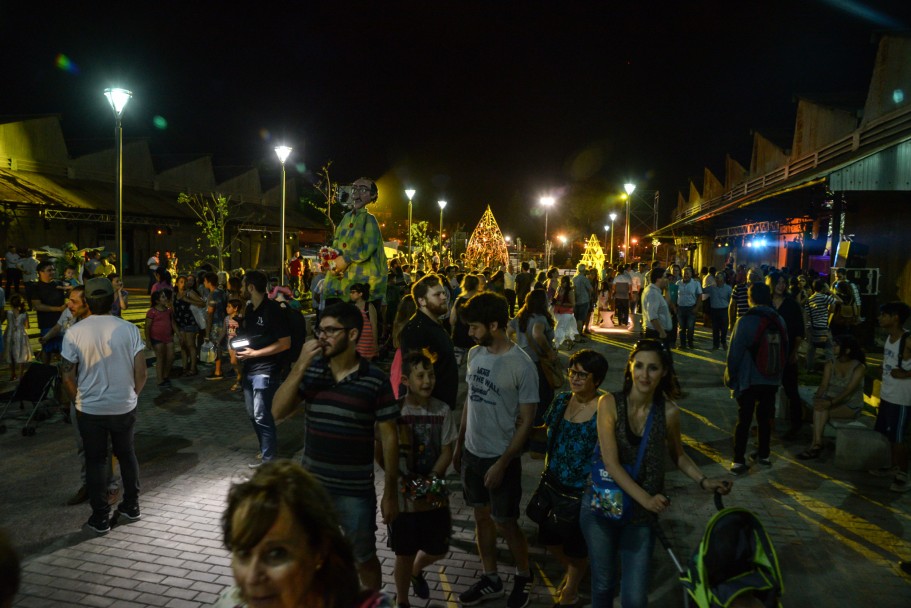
{"x": 612, "y": 216}
{"x": 547, "y": 202}
{"x": 282, "y": 152}
{"x": 410, "y": 194}
{"x": 118, "y": 99}
{"x": 606, "y": 230}
{"x": 442, "y": 205}
{"x": 629, "y": 187}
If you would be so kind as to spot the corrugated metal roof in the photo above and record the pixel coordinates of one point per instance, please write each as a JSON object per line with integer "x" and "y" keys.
{"x": 888, "y": 169}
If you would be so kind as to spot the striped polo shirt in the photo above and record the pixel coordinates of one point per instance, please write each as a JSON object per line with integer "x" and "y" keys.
{"x": 340, "y": 418}
{"x": 817, "y": 307}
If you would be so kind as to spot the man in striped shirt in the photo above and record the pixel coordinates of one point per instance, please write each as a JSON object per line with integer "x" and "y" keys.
{"x": 344, "y": 396}
{"x": 817, "y": 308}
{"x": 740, "y": 304}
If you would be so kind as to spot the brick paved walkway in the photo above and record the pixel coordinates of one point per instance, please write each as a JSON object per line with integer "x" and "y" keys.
{"x": 838, "y": 534}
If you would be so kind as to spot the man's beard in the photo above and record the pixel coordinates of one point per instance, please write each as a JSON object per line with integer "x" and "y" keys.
{"x": 486, "y": 339}
{"x": 341, "y": 346}
{"x": 437, "y": 312}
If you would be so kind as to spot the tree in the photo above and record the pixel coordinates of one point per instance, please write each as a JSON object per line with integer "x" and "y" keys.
{"x": 323, "y": 197}
{"x": 212, "y": 214}
{"x": 422, "y": 240}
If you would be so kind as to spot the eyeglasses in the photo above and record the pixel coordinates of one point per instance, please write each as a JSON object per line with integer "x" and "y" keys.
{"x": 360, "y": 188}
{"x": 574, "y": 373}
{"x": 328, "y": 331}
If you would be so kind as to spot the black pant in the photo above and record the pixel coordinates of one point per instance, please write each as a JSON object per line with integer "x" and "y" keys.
{"x": 511, "y": 300}
{"x": 95, "y": 431}
{"x": 13, "y": 278}
{"x": 795, "y": 403}
{"x": 761, "y": 400}
{"x": 622, "y": 311}
{"x": 719, "y": 326}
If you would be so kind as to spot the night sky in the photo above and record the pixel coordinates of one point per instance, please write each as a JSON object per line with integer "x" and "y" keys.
{"x": 480, "y": 103}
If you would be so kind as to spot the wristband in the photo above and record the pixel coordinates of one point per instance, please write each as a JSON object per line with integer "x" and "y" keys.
{"x": 702, "y": 481}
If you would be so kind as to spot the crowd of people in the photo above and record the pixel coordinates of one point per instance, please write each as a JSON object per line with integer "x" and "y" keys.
{"x": 378, "y": 382}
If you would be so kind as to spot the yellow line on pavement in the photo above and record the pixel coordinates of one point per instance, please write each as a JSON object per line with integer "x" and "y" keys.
{"x": 873, "y": 556}
{"x": 547, "y": 582}
{"x": 447, "y": 589}
{"x": 858, "y": 526}
{"x": 849, "y": 487}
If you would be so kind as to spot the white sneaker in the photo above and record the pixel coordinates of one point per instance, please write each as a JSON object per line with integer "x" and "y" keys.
{"x": 884, "y": 472}
{"x": 900, "y": 483}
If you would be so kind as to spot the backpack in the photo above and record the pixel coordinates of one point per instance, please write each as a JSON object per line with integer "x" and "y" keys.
{"x": 847, "y": 314}
{"x": 735, "y": 558}
{"x": 769, "y": 348}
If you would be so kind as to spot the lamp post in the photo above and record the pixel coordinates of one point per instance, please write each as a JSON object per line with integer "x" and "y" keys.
{"x": 442, "y": 205}
{"x": 547, "y": 202}
{"x": 629, "y": 187}
{"x": 606, "y": 230}
{"x": 410, "y": 194}
{"x": 118, "y": 99}
{"x": 612, "y": 216}
{"x": 282, "y": 152}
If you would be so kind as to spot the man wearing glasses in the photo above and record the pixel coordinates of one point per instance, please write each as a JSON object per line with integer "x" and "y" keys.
{"x": 344, "y": 397}
{"x": 362, "y": 258}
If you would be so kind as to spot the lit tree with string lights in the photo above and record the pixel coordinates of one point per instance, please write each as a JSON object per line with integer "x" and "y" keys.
{"x": 593, "y": 256}
{"x": 486, "y": 247}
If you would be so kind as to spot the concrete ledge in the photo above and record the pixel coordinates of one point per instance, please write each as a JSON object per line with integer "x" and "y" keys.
{"x": 859, "y": 448}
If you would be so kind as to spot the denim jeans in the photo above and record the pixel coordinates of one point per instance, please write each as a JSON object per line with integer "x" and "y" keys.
{"x": 612, "y": 547}
{"x": 95, "y": 431}
{"x": 687, "y": 317}
{"x": 258, "y": 393}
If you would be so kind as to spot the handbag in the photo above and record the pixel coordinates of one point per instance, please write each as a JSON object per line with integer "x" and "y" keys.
{"x": 207, "y": 352}
{"x": 551, "y": 368}
{"x": 552, "y": 503}
{"x": 608, "y": 498}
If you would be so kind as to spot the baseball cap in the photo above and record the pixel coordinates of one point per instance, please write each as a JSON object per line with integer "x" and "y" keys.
{"x": 98, "y": 287}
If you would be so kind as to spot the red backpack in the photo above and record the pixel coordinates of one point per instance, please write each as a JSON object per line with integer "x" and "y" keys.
{"x": 769, "y": 348}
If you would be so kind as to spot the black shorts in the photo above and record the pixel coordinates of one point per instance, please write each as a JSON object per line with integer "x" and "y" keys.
{"x": 504, "y": 499}
{"x": 573, "y": 543}
{"x": 427, "y": 531}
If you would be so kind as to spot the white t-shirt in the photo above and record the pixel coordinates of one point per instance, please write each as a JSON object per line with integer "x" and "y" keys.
{"x": 497, "y": 384}
{"x": 895, "y": 390}
{"x": 152, "y": 263}
{"x": 103, "y": 347}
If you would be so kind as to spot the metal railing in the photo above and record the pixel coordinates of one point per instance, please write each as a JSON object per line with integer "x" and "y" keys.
{"x": 879, "y": 133}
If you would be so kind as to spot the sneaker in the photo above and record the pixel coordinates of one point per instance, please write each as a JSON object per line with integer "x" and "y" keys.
{"x": 255, "y": 464}
{"x": 884, "y": 472}
{"x": 79, "y": 497}
{"x": 754, "y": 457}
{"x": 129, "y": 512}
{"x": 98, "y": 524}
{"x": 482, "y": 591}
{"x": 738, "y": 469}
{"x": 214, "y": 376}
{"x": 521, "y": 592}
{"x": 900, "y": 483}
{"x": 420, "y": 586}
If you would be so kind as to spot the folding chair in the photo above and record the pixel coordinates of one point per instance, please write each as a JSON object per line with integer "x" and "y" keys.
{"x": 35, "y": 386}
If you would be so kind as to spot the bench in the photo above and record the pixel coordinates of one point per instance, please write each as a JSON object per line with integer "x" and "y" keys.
{"x": 857, "y": 446}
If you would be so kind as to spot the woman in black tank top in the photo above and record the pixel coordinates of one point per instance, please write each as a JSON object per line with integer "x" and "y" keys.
{"x": 649, "y": 386}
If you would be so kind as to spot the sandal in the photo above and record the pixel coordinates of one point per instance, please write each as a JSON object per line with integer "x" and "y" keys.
{"x": 235, "y": 387}
{"x": 811, "y": 453}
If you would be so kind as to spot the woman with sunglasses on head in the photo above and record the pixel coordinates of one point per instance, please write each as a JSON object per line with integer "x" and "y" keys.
{"x": 646, "y": 401}
{"x": 571, "y": 438}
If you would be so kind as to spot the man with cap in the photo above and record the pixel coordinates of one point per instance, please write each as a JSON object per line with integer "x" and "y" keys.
{"x": 96, "y": 349}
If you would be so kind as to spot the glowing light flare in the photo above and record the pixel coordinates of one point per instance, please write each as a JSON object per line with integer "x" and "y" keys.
{"x": 160, "y": 123}
{"x": 265, "y": 135}
{"x": 898, "y": 96}
{"x": 118, "y": 99}
{"x": 547, "y": 201}
{"x": 282, "y": 152}
{"x": 64, "y": 63}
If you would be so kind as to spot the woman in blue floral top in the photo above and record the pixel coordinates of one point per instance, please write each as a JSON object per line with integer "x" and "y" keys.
{"x": 572, "y": 435}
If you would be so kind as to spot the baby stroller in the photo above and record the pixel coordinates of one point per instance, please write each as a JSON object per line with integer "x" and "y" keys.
{"x": 35, "y": 386}
{"x": 735, "y": 559}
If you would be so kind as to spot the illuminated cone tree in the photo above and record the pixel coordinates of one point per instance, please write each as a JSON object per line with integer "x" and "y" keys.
{"x": 593, "y": 256}
{"x": 486, "y": 247}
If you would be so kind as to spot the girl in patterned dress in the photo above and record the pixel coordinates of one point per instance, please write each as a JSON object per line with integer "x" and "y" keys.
{"x": 19, "y": 353}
